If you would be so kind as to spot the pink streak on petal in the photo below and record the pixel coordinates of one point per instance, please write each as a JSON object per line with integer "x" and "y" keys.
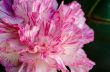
{"x": 43, "y": 37}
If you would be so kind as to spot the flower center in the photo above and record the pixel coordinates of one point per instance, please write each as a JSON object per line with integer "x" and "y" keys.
{"x": 36, "y": 42}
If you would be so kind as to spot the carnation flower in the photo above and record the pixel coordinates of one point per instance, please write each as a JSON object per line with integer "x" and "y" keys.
{"x": 39, "y": 36}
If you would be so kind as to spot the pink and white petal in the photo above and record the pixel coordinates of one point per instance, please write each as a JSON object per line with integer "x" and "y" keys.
{"x": 27, "y": 57}
{"x": 4, "y": 42}
{"x": 68, "y": 32}
{"x": 16, "y": 45}
{"x": 10, "y": 44}
{"x": 7, "y": 17}
{"x": 28, "y": 34}
{"x": 52, "y": 70}
{"x": 37, "y": 66}
{"x": 22, "y": 67}
{"x": 78, "y": 62}
{"x": 20, "y": 10}
{"x": 6, "y": 33}
{"x": 78, "y": 69}
{"x": 81, "y": 62}
{"x": 35, "y": 10}
{"x": 88, "y": 34}
{"x": 5, "y": 36}
{"x": 3, "y": 9}
{"x": 27, "y": 67}
{"x": 9, "y": 59}
{"x": 12, "y": 20}
{"x": 72, "y": 13}
{"x": 41, "y": 66}
{"x": 70, "y": 49}
{"x": 47, "y": 9}
{"x": 12, "y": 69}
{"x": 51, "y": 62}
{"x": 71, "y": 37}
{"x": 67, "y": 59}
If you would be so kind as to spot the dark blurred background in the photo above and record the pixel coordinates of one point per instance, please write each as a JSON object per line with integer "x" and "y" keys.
{"x": 97, "y": 13}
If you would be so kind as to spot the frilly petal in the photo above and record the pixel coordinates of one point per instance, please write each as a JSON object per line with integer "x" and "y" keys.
{"x": 88, "y": 34}
{"x": 69, "y": 20}
{"x": 6, "y": 16}
{"x": 34, "y": 10}
{"x": 81, "y": 63}
{"x": 71, "y": 13}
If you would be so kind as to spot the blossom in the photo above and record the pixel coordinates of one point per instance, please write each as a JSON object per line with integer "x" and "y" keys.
{"x": 39, "y": 36}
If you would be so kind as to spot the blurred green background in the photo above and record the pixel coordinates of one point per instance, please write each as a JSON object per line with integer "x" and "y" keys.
{"x": 98, "y": 18}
